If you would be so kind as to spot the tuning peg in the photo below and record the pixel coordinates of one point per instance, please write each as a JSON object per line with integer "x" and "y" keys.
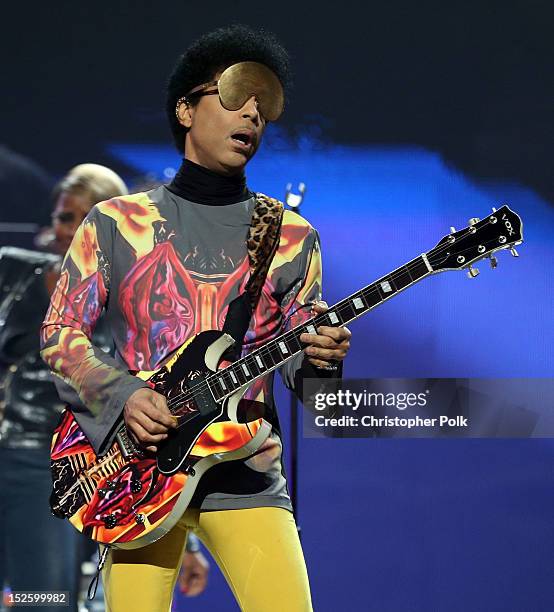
{"x": 472, "y": 272}
{"x": 452, "y": 229}
{"x": 493, "y": 209}
{"x": 494, "y": 261}
{"x": 514, "y": 252}
{"x": 473, "y": 220}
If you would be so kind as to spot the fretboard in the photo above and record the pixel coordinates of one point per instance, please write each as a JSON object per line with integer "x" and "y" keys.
{"x": 263, "y": 360}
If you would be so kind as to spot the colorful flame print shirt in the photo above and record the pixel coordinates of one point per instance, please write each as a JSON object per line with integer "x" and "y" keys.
{"x": 165, "y": 269}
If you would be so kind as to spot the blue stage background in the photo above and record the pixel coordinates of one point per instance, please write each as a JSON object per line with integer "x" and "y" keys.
{"x": 416, "y": 525}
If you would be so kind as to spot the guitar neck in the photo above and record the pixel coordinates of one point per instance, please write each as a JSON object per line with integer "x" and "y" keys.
{"x": 275, "y": 353}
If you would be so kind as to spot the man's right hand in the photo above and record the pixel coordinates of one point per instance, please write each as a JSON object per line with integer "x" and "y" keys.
{"x": 147, "y": 418}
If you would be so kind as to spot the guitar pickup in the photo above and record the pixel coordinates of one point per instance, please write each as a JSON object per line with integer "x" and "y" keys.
{"x": 202, "y": 394}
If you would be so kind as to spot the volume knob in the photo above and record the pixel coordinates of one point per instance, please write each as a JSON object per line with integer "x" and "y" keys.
{"x": 110, "y": 521}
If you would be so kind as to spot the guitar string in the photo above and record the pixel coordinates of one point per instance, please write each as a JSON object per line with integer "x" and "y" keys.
{"x": 191, "y": 392}
{"x": 433, "y": 256}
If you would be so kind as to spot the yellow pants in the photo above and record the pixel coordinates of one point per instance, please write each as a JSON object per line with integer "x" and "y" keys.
{"x": 257, "y": 550}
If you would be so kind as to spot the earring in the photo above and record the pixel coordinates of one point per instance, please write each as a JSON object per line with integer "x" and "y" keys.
{"x": 180, "y": 101}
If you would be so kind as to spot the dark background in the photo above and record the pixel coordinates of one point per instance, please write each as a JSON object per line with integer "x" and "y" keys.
{"x": 471, "y": 80}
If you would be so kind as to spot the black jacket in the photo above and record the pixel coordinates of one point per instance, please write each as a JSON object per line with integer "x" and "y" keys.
{"x": 29, "y": 403}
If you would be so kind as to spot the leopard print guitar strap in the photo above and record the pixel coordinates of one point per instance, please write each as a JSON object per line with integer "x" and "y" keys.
{"x": 262, "y": 243}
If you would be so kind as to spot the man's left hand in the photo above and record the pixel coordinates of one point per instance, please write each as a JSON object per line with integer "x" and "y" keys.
{"x": 329, "y": 345}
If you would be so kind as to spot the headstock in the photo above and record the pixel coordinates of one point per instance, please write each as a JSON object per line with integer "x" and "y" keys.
{"x": 481, "y": 238}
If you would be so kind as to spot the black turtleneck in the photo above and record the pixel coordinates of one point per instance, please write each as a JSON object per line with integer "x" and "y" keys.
{"x": 203, "y": 186}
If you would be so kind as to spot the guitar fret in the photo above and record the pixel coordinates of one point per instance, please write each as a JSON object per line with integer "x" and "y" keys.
{"x": 214, "y": 390}
{"x": 333, "y": 317}
{"x": 324, "y": 320}
{"x": 274, "y": 353}
{"x": 239, "y": 374}
{"x": 260, "y": 365}
{"x": 372, "y": 296}
{"x": 388, "y": 286}
{"x": 418, "y": 268}
{"x": 402, "y": 278}
{"x": 228, "y": 380}
{"x": 293, "y": 341}
{"x": 266, "y": 357}
{"x": 382, "y": 295}
{"x": 251, "y": 366}
{"x": 347, "y": 311}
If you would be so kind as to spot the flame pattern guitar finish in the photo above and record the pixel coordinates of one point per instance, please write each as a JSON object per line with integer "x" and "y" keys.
{"x": 115, "y": 499}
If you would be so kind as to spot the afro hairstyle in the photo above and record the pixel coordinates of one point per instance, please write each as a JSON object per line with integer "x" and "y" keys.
{"x": 216, "y": 51}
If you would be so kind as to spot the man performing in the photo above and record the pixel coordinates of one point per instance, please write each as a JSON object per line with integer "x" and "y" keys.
{"x": 166, "y": 265}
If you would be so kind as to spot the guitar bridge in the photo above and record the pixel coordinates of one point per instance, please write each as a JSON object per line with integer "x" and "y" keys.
{"x": 126, "y": 445}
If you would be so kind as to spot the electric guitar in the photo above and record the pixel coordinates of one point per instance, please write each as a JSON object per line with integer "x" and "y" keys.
{"x": 129, "y": 498}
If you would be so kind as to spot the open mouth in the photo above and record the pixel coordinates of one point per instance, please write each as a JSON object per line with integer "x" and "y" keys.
{"x": 243, "y": 139}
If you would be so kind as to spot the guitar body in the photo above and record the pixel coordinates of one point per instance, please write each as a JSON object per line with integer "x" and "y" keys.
{"x": 128, "y": 498}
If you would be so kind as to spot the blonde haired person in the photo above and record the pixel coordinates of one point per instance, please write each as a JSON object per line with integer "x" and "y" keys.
{"x": 74, "y": 196}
